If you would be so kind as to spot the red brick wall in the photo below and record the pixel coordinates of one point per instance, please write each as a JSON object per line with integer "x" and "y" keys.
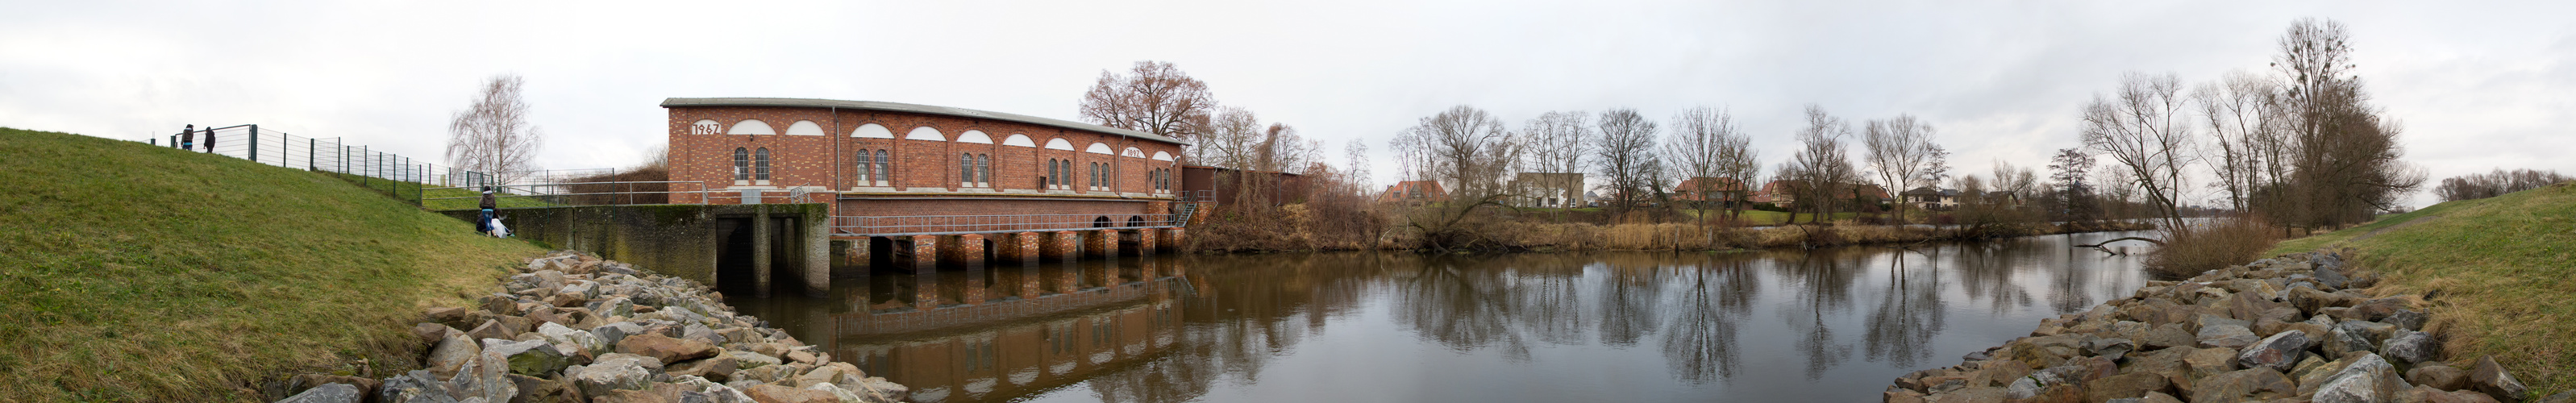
{"x": 831, "y": 160}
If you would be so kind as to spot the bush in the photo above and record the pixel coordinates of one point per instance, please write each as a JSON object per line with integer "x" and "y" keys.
{"x": 2224, "y": 242}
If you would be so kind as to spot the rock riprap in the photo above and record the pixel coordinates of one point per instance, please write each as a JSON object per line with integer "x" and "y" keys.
{"x": 571, "y": 327}
{"x": 2296, "y": 328}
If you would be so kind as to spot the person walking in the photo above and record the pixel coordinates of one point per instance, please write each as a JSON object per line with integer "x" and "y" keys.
{"x": 210, "y": 139}
{"x": 188, "y": 138}
{"x": 484, "y": 225}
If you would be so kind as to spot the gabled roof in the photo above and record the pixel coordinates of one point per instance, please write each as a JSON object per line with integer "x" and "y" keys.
{"x": 913, "y": 108}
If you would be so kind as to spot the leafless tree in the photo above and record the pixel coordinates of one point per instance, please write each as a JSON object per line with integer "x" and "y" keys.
{"x": 1153, "y": 97}
{"x": 2143, "y": 130}
{"x": 1898, "y": 151}
{"x": 1558, "y": 142}
{"x": 493, "y": 136}
{"x": 1821, "y": 172}
{"x": 2497, "y": 183}
{"x": 1627, "y": 159}
{"x": 1702, "y": 150}
{"x": 1468, "y": 151}
{"x": 1229, "y": 140}
{"x": 2347, "y": 163}
{"x": 2243, "y": 133}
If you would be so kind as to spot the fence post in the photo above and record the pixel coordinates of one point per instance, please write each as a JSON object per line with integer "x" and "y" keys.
{"x": 254, "y": 143}
{"x": 310, "y": 144}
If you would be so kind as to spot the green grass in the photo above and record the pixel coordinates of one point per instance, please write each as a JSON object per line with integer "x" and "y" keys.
{"x": 137, "y": 273}
{"x": 2503, "y": 267}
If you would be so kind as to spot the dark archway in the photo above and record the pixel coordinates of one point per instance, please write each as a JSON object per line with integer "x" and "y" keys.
{"x": 1136, "y": 221}
{"x": 1102, "y": 222}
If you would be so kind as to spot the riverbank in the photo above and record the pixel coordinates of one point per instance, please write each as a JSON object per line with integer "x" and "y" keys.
{"x": 571, "y": 327}
{"x": 1574, "y": 237}
{"x": 130, "y": 272}
{"x": 2300, "y": 326}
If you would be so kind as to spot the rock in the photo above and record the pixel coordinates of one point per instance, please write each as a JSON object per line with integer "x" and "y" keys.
{"x": 782, "y": 394}
{"x": 2279, "y": 352}
{"x": 2315, "y": 378}
{"x": 2438, "y": 376}
{"x": 531, "y": 358}
{"x": 2410, "y": 347}
{"x": 2158, "y": 397}
{"x": 2228, "y": 336}
{"x": 629, "y": 396}
{"x": 845, "y": 395}
{"x": 569, "y": 339}
{"x": 500, "y": 305}
{"x": 2331, "y": 278}
{"x": 613, "y": 307}
{"x": 600, "y": 378}
{"x": 301, "y": 383}
{"x": 452, "y": 352}
{"x": 418, "y": 386}
{"x": 491, "y": 329}
{"x": 2561, "y": 397}
{"x": 719, "y": 368}
{"x": 776, "y": 373}
{"x": 2135, "y": 384}
{"x": 2248, "y": 307}
{"x": 2368, "y": 380}
{"x": 665, "y": 348}
{"x": 749, "y": 360}
{"x": 2427, "y": 394}
{"x": 2255, "y": 384}
{"x": 432, "y": 333}
{"x": 1901, "y": 396}
{"x": 2373, "y": 331}
{"x": 615, "y": 332}
{"x": 2206, "y": 321}
{"x": 892, "y": 392}
{"x": 2208, "y": 362}
{"x": 2406, "y": 319}
{"x": 2341, "y": 340}
{"x": 2313, "y": 301}
{"x": 534, "y": 389}
{"x": 2490, "y": 378}
{"x": 2376, "y": 309}
{"x": 649, "y": 364}
{"x": 839, "y": 372}
{"x": 327, "y": 393}
{"x": 2167, "y": 336}
{"x": 444, "y": 314}
{"x": 801, "y": 356}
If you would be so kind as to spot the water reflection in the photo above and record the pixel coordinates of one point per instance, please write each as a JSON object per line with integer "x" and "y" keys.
{"x": 1833, "y": 324}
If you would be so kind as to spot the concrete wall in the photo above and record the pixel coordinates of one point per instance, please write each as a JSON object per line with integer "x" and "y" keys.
{"x": 680, "y": 240}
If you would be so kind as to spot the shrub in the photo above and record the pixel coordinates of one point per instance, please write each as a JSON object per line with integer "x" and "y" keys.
{"x": 2224, "y": 242}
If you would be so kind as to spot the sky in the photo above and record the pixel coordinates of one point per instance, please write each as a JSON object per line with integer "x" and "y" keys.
{"x": 2476, "y": 85}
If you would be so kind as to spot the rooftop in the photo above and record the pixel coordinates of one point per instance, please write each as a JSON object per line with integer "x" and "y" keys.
{"x": 904, "y": 107}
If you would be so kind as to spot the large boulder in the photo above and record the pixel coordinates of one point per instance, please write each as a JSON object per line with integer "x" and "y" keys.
{"x": 719, "y": 368}
{"x": 615, "y": 332}
{"x": 2438, "y": 376}
{"x": 485, "y": 378}
{"x": 2490, "y": 378}
{"x": 600, "y": 378}
{"x": 2256, "y": 384}
{"x": 531, "y": 358}
{"x": 2210, "y": 361}
{"x": 2167, "y": 336}
{"x": 2411, "y": 347}
{"x": 2227, "y": 336}
{"x": 567, "y": 338}
{"x": 665, "y": 348}
{"x": 783, "y": 394}
{"x": 541, "y": 390}
{"x": 2134, "y": 384}
{"x": 452, "y": 352}
{"x": 2279, "y": 352}
{"x": 417, "y": 386}
{"x": 327, "y": 393}
{"x": 2342, "y": 340}
{"x": 650, "y": 364}
{"x": 2368, "y": 380}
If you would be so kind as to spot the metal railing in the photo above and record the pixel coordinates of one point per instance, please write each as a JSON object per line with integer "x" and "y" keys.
{"x": 972, "y": 224}
{"x": 570, "y": 194}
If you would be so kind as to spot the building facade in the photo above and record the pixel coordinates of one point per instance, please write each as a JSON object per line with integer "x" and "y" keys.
{"x": 880, "y": 166}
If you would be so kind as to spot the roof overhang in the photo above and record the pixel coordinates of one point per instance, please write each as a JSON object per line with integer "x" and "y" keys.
{"x": 911, "y": 108}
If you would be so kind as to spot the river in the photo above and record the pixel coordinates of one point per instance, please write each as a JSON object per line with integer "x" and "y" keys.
{"x": 1824, "y": 325}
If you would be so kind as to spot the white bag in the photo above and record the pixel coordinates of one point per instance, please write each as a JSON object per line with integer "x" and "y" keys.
{"x": 498, "y": 230}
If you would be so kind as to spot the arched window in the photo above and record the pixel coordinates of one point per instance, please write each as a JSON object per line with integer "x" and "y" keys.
{"x": 884, "y": 167}
{"x": 966, "y": 170}
{"x": 1095, "y": 175}
{"x": 984, "y": 170}
{"x": 760, "y": 165}
{"x": 741, "y": 164}
{"x": 1065, "y": 182}
{"x": 1050, "y": 174}
{"x": 866, "y": 172}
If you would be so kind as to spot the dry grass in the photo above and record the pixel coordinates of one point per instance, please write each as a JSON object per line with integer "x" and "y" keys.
{"x": 137, "y": 273}
{"x": 2224, "y": 242}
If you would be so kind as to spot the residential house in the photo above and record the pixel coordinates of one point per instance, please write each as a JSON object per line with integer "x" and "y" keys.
{"x": 1547, "y": 189}
{"x": 1414, "y": 192}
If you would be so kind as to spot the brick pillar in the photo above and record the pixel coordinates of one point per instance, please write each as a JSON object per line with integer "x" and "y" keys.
{"x": 1016, "y": 247}
{"x": 925, "y": 253}
{"x": 1170, "y": 241}
{"x": 760, "y": 255}
{"x": 974, "y": 292}
{"x": 963, "y": 250}
{"x": 1102, "y": 243}
{"x": 1144, "y": 243}
{"x": 1058, "y": 246}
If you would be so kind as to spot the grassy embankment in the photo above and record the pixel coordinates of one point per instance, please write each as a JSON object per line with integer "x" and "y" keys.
{"x": 130, "y": 272}
{"x": 2501, "y": 268}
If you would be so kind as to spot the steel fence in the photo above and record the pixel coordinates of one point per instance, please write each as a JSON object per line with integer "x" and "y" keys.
{"x": 971, "y": 224}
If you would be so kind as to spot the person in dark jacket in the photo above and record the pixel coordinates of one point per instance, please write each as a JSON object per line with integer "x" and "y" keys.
{"x": 484, "y": 225}
{"x": 188, "y": 138}
{"x": 210, "y": 139}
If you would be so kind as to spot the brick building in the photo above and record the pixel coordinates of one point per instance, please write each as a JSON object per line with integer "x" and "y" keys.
{"x": 877, "y": 163}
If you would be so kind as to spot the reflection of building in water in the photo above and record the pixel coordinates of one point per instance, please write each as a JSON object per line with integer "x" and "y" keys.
{"x": 1036, "y": 331}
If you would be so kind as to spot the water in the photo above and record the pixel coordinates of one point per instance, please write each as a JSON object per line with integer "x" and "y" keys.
{"x": 1826, "y": 325}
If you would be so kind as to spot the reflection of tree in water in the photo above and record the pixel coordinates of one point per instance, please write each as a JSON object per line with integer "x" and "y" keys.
{"x": 1823, "y": 280}
{"x": 1986, "y": 273}
{"x": 1463, "y": 303}
{"x": 1699, "y": 343}
{"x": 2068, "y": 293}
{"x": 1241, "y": 318}
{"x": 1908, "y": 315}
{"x": 1629, "y": 298}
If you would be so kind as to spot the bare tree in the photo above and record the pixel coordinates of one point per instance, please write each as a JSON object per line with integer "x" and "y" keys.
{"x": 493, "y": 136}
{"x": 2142, "y": 129}
{"x": 2068, "y": 171}
{"x": 1153, "y": 97}
{"x": 1229, "y": 140}
{"x": 1821, "y": 172}
{"x": 2241, "y": 128}
{"x": 1468, "y": 151}
{"x": 1702, "y": 148}
{"x": 1558, "y": 141}
{"x": 1627, "y": 158}
{"x": 2347, "y": 162}
{"x": 1898, "y": 151}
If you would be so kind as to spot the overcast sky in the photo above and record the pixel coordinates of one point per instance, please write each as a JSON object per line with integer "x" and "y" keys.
{"x": 2477, "y": 85}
